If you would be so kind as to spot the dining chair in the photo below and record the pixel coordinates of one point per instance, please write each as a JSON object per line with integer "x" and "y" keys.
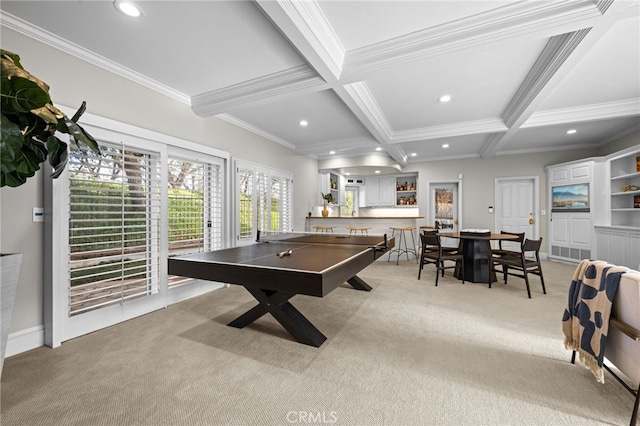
{"x": 432, "y": 252}
{"x": 527, "y": 262}
{"x": 448, "y": 249}
{"x": 506, "y": 247}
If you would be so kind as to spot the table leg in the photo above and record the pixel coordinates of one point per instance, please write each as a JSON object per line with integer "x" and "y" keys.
{"x": 359, "y": 284}
{"x": 277, "y": 304}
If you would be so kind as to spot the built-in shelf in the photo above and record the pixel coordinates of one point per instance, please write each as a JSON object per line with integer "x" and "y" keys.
{"x": 624, "y": 173}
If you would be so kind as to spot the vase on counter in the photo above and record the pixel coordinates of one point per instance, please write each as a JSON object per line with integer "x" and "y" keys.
{"x": 325, "y": 211}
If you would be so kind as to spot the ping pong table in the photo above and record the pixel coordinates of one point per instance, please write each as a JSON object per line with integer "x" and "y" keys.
{"x": 280, "y": 266}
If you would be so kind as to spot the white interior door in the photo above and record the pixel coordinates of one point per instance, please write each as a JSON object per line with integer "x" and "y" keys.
{"x": 516, "y": 206}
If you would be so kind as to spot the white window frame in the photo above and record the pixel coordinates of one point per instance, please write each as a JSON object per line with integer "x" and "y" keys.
{"x": 59, "y": 327}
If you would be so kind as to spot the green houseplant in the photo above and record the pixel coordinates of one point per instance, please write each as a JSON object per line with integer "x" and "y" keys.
{"x": 328, "y": 198}
{"x": 29, "y": 125}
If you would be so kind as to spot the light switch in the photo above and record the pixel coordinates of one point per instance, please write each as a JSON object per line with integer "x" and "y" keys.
{"x": 491, "y": 209}
{"x": 38, "y": 214}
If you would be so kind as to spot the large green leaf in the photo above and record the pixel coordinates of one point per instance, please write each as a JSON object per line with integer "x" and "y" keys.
{"x": 10, "y": 143}
{"x": 20, "y": 95}
{"x": 57, "y": 155}
{"x": 13, "y": 179}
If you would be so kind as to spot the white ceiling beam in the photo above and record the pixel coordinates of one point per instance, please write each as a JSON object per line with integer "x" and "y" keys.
{"x": 268, "y": 88}
{"x": 309, "y": 32}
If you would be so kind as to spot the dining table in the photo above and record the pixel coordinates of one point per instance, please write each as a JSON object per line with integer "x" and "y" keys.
{"x": 476, "y": 251}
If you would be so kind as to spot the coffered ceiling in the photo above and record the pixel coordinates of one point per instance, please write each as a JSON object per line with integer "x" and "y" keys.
{"x": 369, "y": 74}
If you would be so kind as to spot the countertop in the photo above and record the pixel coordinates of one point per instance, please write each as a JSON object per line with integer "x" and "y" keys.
{"x": 365, "y": 217}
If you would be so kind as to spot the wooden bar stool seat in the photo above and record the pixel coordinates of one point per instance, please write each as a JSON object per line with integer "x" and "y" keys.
{"x": 400, "y": 249}
{"x": 363, "y": 231}
{"x": 323, "y": 228}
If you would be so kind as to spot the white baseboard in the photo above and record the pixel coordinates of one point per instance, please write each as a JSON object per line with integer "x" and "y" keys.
{"x": 25, "y": 340}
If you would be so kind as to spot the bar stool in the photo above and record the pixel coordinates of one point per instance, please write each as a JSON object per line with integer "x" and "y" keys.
{"x": 399, "y": 248}
{"x": 323, "y": 228}
{"x": 363, "y": 231}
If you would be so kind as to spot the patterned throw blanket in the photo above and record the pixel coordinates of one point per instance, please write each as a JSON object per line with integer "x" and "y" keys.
{"x": 585, "y": 321}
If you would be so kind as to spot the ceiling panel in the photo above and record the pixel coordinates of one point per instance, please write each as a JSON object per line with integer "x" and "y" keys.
{"x": 589, "y": 134}
{"x": 328, "y": 117}
{"x": 482, "y": 81}
{"x": 610, "y": 72}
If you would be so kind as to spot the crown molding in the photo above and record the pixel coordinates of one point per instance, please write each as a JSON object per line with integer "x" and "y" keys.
{"x": 16, "y": 24}
{"x": 255, "y": 130}
{"x": 507, "y": 22}
{"x": 269, "y": 87}
{"x": 490, "y": 125}
{"x": 594, "y": 112}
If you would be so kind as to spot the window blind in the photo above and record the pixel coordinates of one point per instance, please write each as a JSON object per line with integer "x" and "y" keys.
{"x": 114, "y": 220}
{"x": 195, "y": 209}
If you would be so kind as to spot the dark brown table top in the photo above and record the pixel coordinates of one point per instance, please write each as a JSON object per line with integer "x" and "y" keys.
{"x": 317, "y": 263}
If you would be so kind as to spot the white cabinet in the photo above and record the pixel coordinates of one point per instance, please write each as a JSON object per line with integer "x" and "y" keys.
{"x": 571, "y": 232}
{"x": 380, "y": 192}
{"x": 388, "y": 191}
{"x": 372, "y": 192}
{"x": 619, "y": 245}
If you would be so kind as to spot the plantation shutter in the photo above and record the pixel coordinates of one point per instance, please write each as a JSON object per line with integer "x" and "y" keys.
{"x": 114, "y": 221}
{"x": 262, "y": 196}
{"x": 245, "y": 179}
{"x": 285, "y": 203}
{"x": 265, "y": 200}
{"x": 195, "y": 209}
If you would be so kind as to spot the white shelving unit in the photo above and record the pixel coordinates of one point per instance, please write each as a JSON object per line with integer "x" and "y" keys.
{"x": 618, "y": 241}
{"x": 406, "y": 190}
{"x": 625, "y": 175}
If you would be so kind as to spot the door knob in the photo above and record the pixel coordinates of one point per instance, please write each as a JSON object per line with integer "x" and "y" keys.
{"x": 531, "y": 221}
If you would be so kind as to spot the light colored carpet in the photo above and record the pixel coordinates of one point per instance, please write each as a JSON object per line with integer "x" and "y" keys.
{"x": 406, "y": 353}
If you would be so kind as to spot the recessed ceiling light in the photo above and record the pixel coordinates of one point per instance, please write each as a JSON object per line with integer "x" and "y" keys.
{"x": 332, "y": 152}
{"x": 128, "y": 8}
{"x": 303, "y": 123}
{"x": 445, "y": 98}
{"x": 377, "y": 171}
{"x": 571, "y": 131}
{"x": 379, "y": 148}
{"x": 445, "y": 145}
{"x": 413, "y": 154}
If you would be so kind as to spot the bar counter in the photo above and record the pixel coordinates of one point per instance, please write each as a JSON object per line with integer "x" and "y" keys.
{"x": 378, "y": 225}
